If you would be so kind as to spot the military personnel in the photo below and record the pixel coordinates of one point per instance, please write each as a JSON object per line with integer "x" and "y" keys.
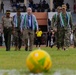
{"x": 29, "y": 24}
{"x": 17, "y": 20}
{"x": 54, "y": 18}
{"x": 7, "y": 23}
{"x": 57, "y": 28}
{"x": 66, "y": 23}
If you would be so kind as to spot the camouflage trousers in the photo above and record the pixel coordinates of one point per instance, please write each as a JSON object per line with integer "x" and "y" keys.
{"x": 17, "y": 38}
{"x": 67, "y": 37}
{"x": 60, "y": 37}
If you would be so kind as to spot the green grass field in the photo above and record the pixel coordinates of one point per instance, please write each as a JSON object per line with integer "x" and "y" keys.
{"x": 13, "y": 62}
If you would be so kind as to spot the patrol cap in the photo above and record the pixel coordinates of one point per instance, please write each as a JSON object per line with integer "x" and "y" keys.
{"x": 8, "y": 11}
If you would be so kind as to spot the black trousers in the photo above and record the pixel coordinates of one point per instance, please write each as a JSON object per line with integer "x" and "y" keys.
{"x": 7, "y": 37}
{"x": 38, "y": 41}
{"x": 48, "y": 41}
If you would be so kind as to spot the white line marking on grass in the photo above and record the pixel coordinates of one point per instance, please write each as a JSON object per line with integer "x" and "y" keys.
{"x": 9, "y": 72}
{"x": 3, "y": 71}
{"x": 13, "y": 72}
{"x": 58, "y": 72}
{"x": 65, "y": 72}
{"x": 36, "y": 74}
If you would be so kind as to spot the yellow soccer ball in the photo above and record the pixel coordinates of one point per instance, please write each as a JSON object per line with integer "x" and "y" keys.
{"x": 38, "y": 61}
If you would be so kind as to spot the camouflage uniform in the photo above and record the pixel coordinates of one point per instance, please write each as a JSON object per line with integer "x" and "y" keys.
{"x": 58, "y": 34}
{"x": 17, "y": 19}
{"x": 53, "y": 26}
{"x": 66, "y": 23}
{"x": 54, "y": 20}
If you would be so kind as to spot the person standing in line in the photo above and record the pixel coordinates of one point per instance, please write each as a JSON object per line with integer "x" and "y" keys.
{"x": 17, "y": 20}
{"x": 57, "y": 28}
{"x": 8, "y": 26}
{"x": 66, "y": 23}
{"x": 29, "y": 25}
{"x": 38, "y": 36}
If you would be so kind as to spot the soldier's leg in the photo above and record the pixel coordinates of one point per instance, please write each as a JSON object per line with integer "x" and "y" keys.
{"x": 20, "y": 43}
{"x": 74, "y": 41}
{"x": 25, "y": 38}
{"x": 20, "y": 40}
{"x": 5, "y": 37}
{"x": 58, "y": 39}
{"x": 67, "y": 39}
{"x": 62, "y": 34}
{"x": 58, "y": 43}
{"x": 31, "y": 39}
{"x": 16, "y": 39}
{"x": 9, "y": 38}
{"x": 16, "y": 44}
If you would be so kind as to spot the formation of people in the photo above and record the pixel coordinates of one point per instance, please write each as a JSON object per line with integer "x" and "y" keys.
{"x": 23, "y": 27}
{"x": 19, "y": 25}
{"x": 62, "y": 25}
